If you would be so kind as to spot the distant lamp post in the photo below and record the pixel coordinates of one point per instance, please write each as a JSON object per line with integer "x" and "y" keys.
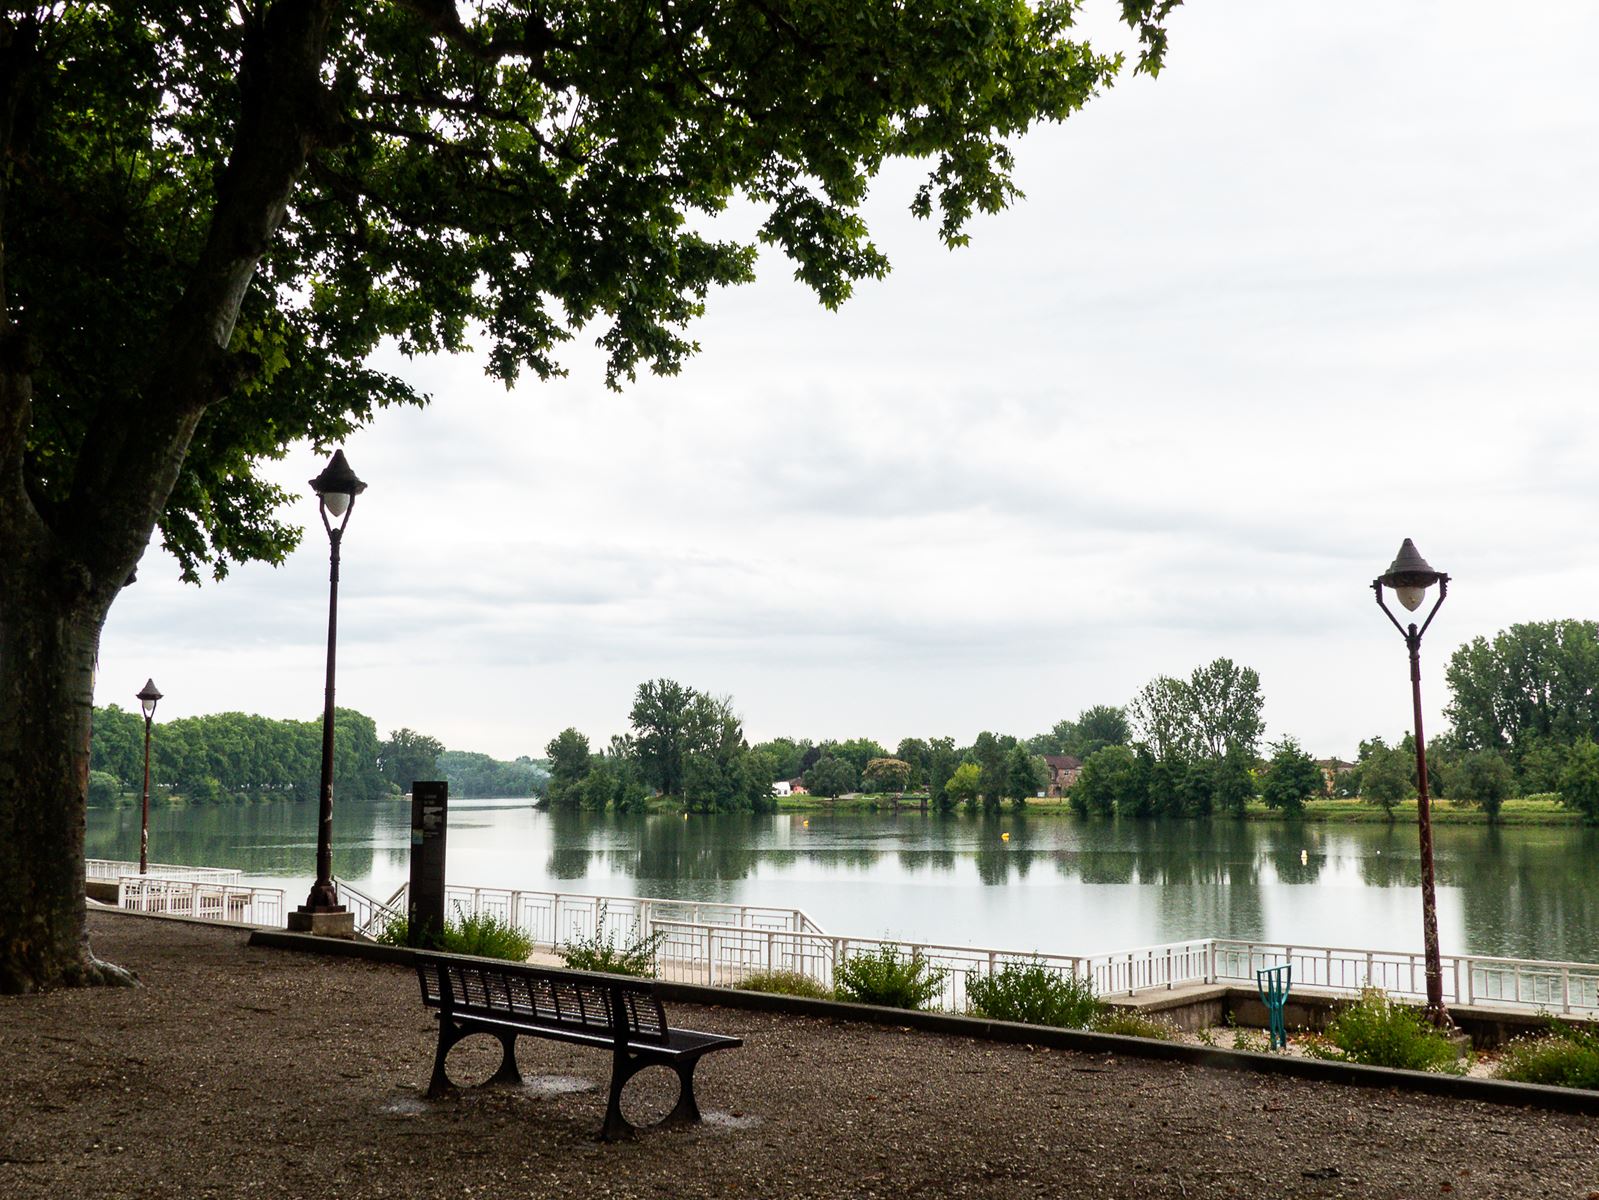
{"x": 336, "y": 489}
{"x": 148, "y": 695}
{"x": 1410, "y": 576}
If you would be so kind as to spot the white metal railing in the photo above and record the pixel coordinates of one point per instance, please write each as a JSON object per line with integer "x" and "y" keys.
{"x": 109, "y": 869}
{"x": 553, "y": 919}
{"x": 207, "y": 901}
{"x": 722, "y": 955}
{"x": 1563, "y": 987}
{"x": 372, "y": 916}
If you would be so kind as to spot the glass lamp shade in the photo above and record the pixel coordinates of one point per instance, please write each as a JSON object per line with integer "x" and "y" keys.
{"x": 1411, "y": 596}
{"x": 336, "y": 502}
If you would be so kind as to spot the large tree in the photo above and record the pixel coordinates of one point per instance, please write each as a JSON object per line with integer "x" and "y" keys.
{"x": 211, "y": 215}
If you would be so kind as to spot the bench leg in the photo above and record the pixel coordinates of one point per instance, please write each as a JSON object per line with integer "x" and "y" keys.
{"x": 686, "y": 1111}
{"x": 440, "y": 1083}
{"x": 617, "y": 1127}
{"x": 507, "y": 1072}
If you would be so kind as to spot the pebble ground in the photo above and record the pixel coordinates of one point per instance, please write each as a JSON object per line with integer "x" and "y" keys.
{"x": 244, "y": 1072}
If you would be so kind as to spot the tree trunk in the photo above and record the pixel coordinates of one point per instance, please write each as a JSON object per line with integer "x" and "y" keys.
{"x": 47, "y": 655}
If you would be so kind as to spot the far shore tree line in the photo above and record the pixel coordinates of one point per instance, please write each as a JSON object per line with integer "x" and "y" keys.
{"x": 1524, "y": 713}
{"x": 241, "y": 757}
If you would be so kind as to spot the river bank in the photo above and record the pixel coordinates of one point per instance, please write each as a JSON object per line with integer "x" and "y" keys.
{"x": 1533, "y": 810}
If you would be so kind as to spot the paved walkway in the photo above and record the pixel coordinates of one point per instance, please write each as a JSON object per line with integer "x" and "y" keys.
{"x": 247, "y": 1072}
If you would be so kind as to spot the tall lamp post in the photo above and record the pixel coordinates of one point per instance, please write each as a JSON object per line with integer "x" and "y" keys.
{"x": 336, "y": 489}
{"x": 148, "y": 695}
{"x": 1410, "y": 576}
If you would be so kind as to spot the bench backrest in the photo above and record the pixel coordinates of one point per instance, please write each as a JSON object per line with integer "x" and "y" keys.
{"x": 559, "y": 999}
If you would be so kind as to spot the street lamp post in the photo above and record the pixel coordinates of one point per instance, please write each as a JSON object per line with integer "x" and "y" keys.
{"x": 148, "y": 695}
{"x": 336, "y": 488}
{"x": 1410, "y": 576}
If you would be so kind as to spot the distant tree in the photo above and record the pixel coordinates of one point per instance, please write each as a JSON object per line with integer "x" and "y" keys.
{"x": 1540, "y": 765}
{"x": 1292, "y": 777}
{"x": 1234, "y": 785}
{"x": 117, "y": 745}
{"x": 886, "y": 775}
{"x": 1112, "y": 780}
{"x": 1226, "y": 703}
{"x": 668, "y": 724}
{"x": 786, "y": 756}
{"x": 407, "y": 756}
{"x": 830, "y": 776}
{"x": 568, "y": 752}
{"x": 964, "y": 785}
{"x": 1485, "y": 779}
{"x": 1095, "y": 728}
{"x": 1198, "y": 789}
{"x": 1162, "y": 715}
{"x": 1532, "y": 681}
{"x": 1387, "y": 776}
{"x": 942, "y": 759}
{"x": 857, "y": 752}
{"x": 1579, "y": 780}
{"x": 1217, "y": 706}
{"x": 1024, "y": 775}
{"x": 990, "y": 752}
{"x": 1168, "y": 784}
{"x": 916, "y": 752}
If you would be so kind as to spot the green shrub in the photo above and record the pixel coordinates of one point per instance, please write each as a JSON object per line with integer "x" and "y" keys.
{"x": 1033, "y": 994}
{"x": 785, "y": 983}
{"x": 1380, "y": 1033}
{"x": 486, "y": 936}
{"x": 1133, "y": 1024}
{"x": 1568, "y": 1056}
{"x": 601, "y": 952}
{"x": 481, "y": 934}
{"x": 885, "y": 977}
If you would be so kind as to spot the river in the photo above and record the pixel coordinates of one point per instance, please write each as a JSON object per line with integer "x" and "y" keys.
{"x": 1057, "y": 883}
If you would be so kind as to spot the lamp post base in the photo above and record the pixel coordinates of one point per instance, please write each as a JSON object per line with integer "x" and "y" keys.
{"x": 338, "y": 922}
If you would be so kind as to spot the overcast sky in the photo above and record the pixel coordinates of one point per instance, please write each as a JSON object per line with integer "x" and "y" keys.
{"x": 1331, "y": 281}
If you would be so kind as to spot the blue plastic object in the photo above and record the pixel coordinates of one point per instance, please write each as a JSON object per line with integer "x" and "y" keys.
{"x": 1273, "y": 983}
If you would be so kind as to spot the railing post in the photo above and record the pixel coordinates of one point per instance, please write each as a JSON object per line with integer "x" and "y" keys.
{"x": 1565, "y": 989}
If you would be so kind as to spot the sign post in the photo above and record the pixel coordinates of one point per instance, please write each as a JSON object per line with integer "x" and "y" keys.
{"x": 425, "y": 908}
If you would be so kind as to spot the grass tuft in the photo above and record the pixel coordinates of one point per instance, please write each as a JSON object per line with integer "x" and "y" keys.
{"x": 784, "y": 983}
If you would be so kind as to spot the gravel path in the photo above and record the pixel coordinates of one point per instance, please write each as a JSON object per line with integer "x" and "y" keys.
{"x": 243, "y": 1072}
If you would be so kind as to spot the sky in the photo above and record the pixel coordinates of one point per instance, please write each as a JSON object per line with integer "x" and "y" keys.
{"x": 1330, "y": 281}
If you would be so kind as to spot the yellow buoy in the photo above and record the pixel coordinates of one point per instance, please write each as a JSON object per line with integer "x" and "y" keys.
{"x": 1004, "y": 837}
{"x": 806, "y": 823}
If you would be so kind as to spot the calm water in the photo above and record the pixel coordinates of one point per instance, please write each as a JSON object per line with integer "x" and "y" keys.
{"x": 1058, "y": 884}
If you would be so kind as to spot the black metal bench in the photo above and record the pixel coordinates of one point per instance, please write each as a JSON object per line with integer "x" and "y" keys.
{"x": 510, "y": 1000}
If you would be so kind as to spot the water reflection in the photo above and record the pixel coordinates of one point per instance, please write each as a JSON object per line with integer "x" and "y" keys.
{"x": 1053, "y": 883}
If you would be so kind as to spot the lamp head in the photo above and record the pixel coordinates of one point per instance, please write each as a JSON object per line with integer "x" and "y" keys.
{"x": 148, "y": 695}
{"x": 337, "y": 486}
{"x": 1410, "y": 576}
